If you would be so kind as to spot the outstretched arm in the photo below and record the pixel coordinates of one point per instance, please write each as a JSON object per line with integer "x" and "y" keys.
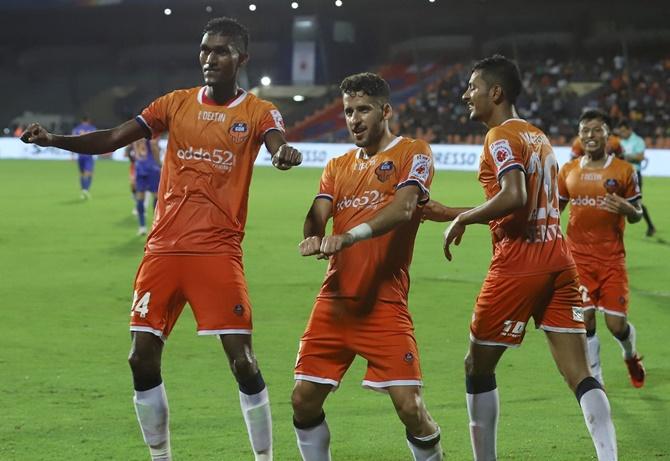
{"x": 283, "y": 156}
{"x": 435, "y": 211}
{"x": 400, "y": 210}
{"x": 511, "y": 197}
{"x": 315, "y": 227}
{"x": 95, "y": 142}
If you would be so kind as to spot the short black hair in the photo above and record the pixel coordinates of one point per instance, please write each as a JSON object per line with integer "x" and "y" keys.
{"x": 625, "y": 124}
{"x": 498, "y": 69}
{"x": 593, "y": 114}
{"x": 229, "y": 27}
{"x": 369, "y": 83}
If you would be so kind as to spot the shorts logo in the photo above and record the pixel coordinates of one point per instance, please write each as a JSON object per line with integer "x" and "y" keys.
{"x": 420, "y": 167}
{"x": 622, "y": 300}
{"x": 611, "y": 185}
{"x": 238, "y": 310}
{"x": 239, "y": 132}
{"x": 409, "y": 357}
{"x": 513, "y": 328}
{"x": 384, "y": 171}
{"x": 577, "y": 314}
{"x": 501, "y": 152}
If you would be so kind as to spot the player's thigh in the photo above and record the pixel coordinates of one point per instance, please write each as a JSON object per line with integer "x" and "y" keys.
{"x": 323, "y": 354}
{"x": 215, "y": 287}
{"x": 157, "y": 296}
{"x": 408, "y": 402}
{"x": 589, "y": 283}
{"x": 563, "y": 312}
{"x": 503, "y": 307}
{"x": 385, "y": 338}
{"x": 308, "y": 397}
{"x": 569, "y": 353}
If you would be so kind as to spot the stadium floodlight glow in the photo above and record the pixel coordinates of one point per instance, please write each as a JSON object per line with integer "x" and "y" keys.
{"x": 431, "y": 1}
{"x": 298, "y": 98}
{"x": 252, "y": 7}
{"x": 338, "y": 3}
{"x": 208, "y": 8}
{"x": 265, "y": 80}
{"x": 294, "y": 5}
{"x": 167, "y": 11}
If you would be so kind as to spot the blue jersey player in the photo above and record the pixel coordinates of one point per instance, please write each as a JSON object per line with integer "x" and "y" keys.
{"x": 85, "y": 161}
{"x": 146, "y": 155}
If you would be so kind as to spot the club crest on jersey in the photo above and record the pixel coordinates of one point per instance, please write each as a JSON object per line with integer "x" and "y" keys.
{"x": 611, "y": 185}
{"x": 409, "y": 357}
{"x": 239, "y": 132}
{"x": 420, "y": 167}
{"x": 501, "y": 152}
{"x": 384, "y": 171}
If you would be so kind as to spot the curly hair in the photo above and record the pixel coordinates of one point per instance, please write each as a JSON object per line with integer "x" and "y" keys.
{"x": 367, "y": 83}
{"x": 229, "y": 27}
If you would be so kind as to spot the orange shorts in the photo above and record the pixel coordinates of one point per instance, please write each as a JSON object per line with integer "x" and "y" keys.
{"x": 604, "y": 286}
{"x": 337, "y": 332}
{"x": 213, "y": 285}
{"x": 505, "y": 304}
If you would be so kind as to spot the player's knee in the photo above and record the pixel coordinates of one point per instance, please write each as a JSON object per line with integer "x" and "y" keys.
{"x": 142, "y": 362}
{"x": 469, "y": 365}
{"x": 411, "y": 412}
{"x": 303, "y": 403}
{"x": 244, "y": 367}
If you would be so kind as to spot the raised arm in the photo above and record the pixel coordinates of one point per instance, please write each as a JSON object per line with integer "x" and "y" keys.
{"x": 400, "y": 210}
{"x": 283, "y": 156}
{"x": 315, "y": 226}
{"x": 95, "y": 142}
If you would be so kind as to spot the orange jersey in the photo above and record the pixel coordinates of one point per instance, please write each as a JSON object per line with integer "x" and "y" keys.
{"x": 613, "y": 147}
{"x": 377, "y": 268}
{"x": 204, "y": 186}
{"x": 528, "y": 241}
{"x": 592, "y": 230}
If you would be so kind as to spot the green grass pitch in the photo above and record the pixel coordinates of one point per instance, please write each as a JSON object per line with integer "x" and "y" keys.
{"x": 66, "y": 280}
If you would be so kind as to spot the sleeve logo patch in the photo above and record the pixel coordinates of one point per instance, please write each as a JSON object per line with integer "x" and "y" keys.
{"x": 279, "y": 121}
{"x": 501, "y": 152}
{"x": 420, "y": 167}
{"x": 239, "y": 132}
{"x": 384, "y": 171}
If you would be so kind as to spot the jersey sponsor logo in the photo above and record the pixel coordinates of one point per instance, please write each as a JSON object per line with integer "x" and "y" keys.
{"x": 577, "y": 314}
{"x": 501, "y": 152}
{"x": 420, "y": 167}
{"x": 591, "y": 177}
{"x": 611, "y": 185}
{"x": 221, "y": 159}
{"x": 385, "y": 171}
{"x": 209, "y": 116}
{"x": 368, "y": 199}
{"x": 585, "y": 200}
{"x": 279, "y": 121}
{"x": 239, "y": 132}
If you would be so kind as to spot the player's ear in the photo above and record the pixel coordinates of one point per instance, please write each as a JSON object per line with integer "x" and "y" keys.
{"x": 387, "y": 111}
{"x": 243, "y": 58}
{"x": 496, "y": 93}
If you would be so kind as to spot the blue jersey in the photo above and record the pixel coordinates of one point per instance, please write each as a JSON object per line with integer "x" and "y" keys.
{"x": 83, "y": 128}
{"x": 145, "y": 161}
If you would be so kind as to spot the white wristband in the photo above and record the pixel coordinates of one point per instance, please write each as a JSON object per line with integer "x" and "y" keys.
{"x": 361, "y": 232}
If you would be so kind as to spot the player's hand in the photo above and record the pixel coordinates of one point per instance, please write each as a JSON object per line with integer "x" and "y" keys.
{"x": 331, "y": 244}
{"x": 432, "y": 211}
{"x": 311, "y": 246}
{"x": 36, "y": 134}
{"x": 453, "y": 234}
{"x": 615, "y": 204}
{"x": 286, "y": 157}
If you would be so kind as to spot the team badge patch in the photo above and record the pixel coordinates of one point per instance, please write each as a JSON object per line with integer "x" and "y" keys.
{"x": 239, "y": 132}
{"x": 279, "y": 121}
{"x": 611, "y": 185}
{"x": 384, "y": 171}
{"x": 577, "y": 314}
{"x": 238, "y": 310}
{"x": 409, "y": 357}
{"x": 501, "y": 152}
{"x": 420, "y": 168}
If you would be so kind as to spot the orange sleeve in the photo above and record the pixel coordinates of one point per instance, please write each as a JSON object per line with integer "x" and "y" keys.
{"x": 631, "y": 186}
{"x": 327, "y": 185}
{"x": 270, "y": 119}
{"x": 417, "y": 169}
{"x": 563, "y": 193}
{"x": 155, "y": 118}
{"x": 504, "y": 149}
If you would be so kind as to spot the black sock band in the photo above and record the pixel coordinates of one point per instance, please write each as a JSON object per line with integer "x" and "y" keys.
{"x": 423, "y": 443}
{"x": 590, "y": 333}
{"x": 252, "y": 385}
{"x": 625, "y": 335}
{"x": 478, "y": 384}
{"x": 586, "y": 385}
{"x": 310, "y": 424}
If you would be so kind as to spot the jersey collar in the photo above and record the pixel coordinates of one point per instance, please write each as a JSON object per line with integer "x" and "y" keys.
{"x": 361, "y": 155}
{"x": 235, "y": 101}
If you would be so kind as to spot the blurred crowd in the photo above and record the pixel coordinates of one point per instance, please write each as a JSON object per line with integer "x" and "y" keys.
{"x": 555, "y": 92}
